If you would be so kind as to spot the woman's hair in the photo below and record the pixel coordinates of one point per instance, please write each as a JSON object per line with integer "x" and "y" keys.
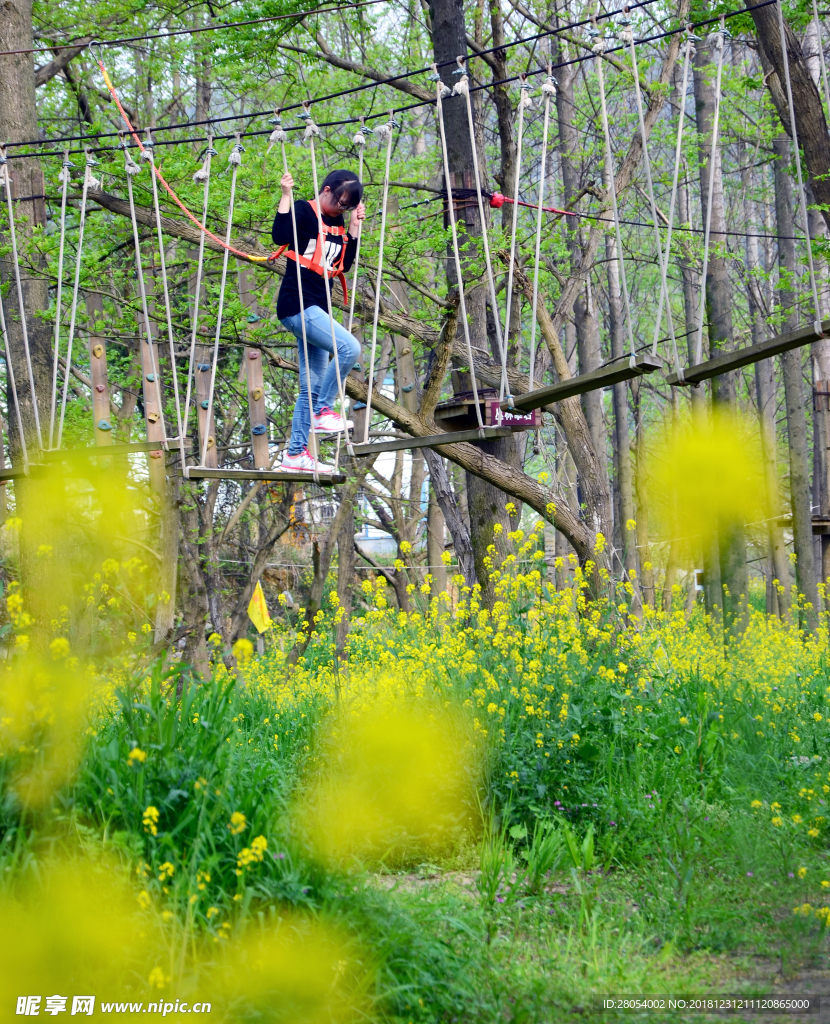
{"x": 345, "y": 186}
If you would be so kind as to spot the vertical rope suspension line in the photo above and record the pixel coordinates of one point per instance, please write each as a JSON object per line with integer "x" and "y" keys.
{"x": 663, "y": 263}
{"x": 378, "y": 282}
{"x": 235, "y": 160}
{"x": 311, "y": 131}
{"x": 12, "y": 385}
{"x": 64, "y": 179}
{"x": 441, "y": 91}
{"x": 149, "y": 155}
{"x": 19, "y": 285}
{"x": 70, "y": 337}
{"x": 524, "y": 101}
{"x": 202, "y": 174}
{"x": 361, "y": 145}
{"x": 279, "y": 135}
{"x": 462, "y": 88}
{"x": 132, "y": 168}
{"x": 690, "y": 49}
{"x": 713, "y": 156}
{"x": 802, "y": 198}
{"x": 549, "y": 90}
{"x": 599, "y": 49}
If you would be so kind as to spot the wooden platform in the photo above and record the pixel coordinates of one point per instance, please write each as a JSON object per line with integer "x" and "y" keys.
{"x": 12, "y": 473}
{"x": 604, "y": 377}
{"x": 459, "y": 413}
{"x": 430, "y": 440}
{"x": 269, "y": 475}
{"x": 821, "y": 524}
{"x": 750, "y": 354}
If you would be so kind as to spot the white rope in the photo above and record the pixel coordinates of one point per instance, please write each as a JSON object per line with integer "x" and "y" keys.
{"x": 132, "y": 168}
{"x": 310, "y": 133}
{"x": 12, "y": 385}
{"x": 19, "y": 283}
{"x": 203, "y": 175}
{"x": 88, "y": 181}
{"x": 235, "y": 159}
{"x": 63, "y": 177}
{"x": 378, "y": 280}
{"x": 147, "y": 154}
{"x": 359, "y": 140}
{"x": 690, "y": 52}
{"x": 441, "y": 92}
{"x": 279, "y": 136}
{"x": 801, "y": 190}
{"x": 713, "y": 156}
{"x": 549, "y": 91}
{"x": 599, "y": 48}
{"x": 524, "y": 103}
{"x": 627, "y": 35}
{"x": 462, "y": 88}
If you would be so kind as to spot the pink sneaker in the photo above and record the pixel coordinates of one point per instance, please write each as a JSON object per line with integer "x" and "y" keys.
{"x": 327, "y": 421}
{"x": 304, "y": 463}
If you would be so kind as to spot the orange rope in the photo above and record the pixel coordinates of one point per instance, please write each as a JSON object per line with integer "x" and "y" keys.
{"x": 173, "y": 196}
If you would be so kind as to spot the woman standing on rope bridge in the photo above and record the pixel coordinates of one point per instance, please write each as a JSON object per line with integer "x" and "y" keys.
{"x": 342, "y": 190}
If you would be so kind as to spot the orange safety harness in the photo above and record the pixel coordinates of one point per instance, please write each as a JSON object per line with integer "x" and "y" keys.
{"x": 316, "y": 262}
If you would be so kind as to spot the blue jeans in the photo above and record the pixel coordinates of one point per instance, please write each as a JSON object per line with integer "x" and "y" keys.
{"x": 321, "y": 368}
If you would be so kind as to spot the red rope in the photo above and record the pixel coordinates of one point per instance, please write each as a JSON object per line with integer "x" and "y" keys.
{"x": 173, "y": 196}
{"x": 497, "y": 200}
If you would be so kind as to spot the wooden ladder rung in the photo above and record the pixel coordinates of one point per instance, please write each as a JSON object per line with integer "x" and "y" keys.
{"x": 271, "y": 475}
{"x": 57, "y": 455}
{"x": 431, "y": 440}
{"x": 604, "y": 377}
{"x": 749, "y": 354}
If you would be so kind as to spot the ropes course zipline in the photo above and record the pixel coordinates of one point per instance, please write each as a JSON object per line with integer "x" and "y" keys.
{"x": 535, "y": 398}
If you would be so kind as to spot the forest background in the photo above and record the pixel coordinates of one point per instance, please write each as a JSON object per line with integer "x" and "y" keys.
{"x": 611, "y": 768}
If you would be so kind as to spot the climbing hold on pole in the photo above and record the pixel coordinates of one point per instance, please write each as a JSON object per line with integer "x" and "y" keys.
{"x": 256, "y": 394}
{"x": 152, "y": 417}
{"x": 204, "y": 367}
{"x": 407, "y": 388}
{"x": 100, "y": 388}
{"x": 151, "y": 378}
{"x": 104, "y": 425}
{"x": 252, "y": 354}
{"x": 259, "y": 429}
{"x": 97, "y": 351}
{"x": 156, "y": 455}
{"x": 204, "y": 404}
{"x": 254, "y": 319}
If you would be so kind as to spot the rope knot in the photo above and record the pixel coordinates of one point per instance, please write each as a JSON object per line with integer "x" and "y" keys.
{"x": 462, "y": 86}
{"x": 598, "y": 43}
{"x": 525, "y": 99}
{"x": 277, "y": 137}
{"x": 549, "y": 87}
{"x": 235, "y": 157}
{"x": 625, "y": 33}
{"x": 311, "y": 131}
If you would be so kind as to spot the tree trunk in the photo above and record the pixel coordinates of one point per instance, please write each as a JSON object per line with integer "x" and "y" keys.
{"x": 810, "y": 119}
{"x": 805, "y": 576}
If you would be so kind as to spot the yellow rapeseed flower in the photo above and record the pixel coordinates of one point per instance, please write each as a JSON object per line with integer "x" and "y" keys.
{"x": 238, "y": 823}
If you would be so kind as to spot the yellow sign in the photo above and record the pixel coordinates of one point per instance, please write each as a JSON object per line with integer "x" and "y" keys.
{"x": 258, "y": 610}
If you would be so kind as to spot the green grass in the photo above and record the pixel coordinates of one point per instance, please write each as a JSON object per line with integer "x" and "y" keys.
{"x": 629, "y": 860}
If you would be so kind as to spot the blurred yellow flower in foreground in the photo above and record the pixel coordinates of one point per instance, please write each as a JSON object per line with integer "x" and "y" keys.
{"x": 400, "y": 781}
{"x": 706, "y": 477}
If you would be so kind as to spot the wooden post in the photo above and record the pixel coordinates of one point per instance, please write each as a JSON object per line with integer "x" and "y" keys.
{"x": 255, "y": 378}
{"x": 101, "y": 414}
{"x": 151, "y": 390}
